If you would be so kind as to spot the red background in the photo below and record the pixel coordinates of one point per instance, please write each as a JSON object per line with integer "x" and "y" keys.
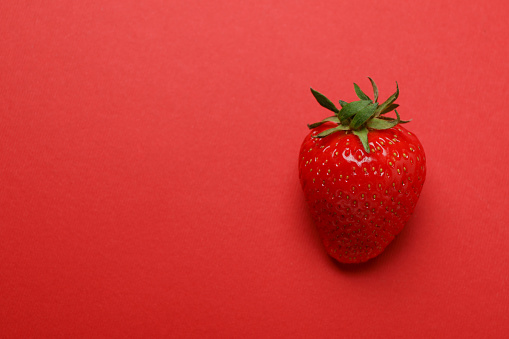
{"x": 148, "y": 168}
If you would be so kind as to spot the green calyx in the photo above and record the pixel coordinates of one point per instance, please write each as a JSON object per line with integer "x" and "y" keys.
{"x": 360, "y": 116}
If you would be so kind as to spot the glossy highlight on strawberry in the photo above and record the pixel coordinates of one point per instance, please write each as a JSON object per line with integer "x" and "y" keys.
{"x": 361, "y": 193}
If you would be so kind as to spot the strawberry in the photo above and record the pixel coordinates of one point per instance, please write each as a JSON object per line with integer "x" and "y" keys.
{"x": 362, "y": 173}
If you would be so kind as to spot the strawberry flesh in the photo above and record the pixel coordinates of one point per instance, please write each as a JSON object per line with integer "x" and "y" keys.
{"x": 360, "y": 201}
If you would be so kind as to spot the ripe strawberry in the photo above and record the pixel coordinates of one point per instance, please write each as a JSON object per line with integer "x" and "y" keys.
{"x": 361, "y": 173}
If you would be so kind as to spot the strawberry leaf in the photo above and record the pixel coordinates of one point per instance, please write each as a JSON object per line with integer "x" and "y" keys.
{"x": 375, "y": 89}
{"x": 360, "y": 93}
{"x": 378, "y": 123}
{"x": 331, "y": 119}
{"x": 389, "y": 108}
{"x": 384, "y": 122}
{"x": 352, "y": 108}
{"x": 364, "y": 115}
{"x": 363, "y": 136}
{"x": 323, "y": 101}
{"x": 392, "y": 119}
{"x": 359, "y": 116}
{"x": 388, "y": 102}
{"x": 330, "y": 131}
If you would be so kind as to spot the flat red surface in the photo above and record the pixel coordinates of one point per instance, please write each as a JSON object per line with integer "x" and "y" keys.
{"x": 148, "y": 168}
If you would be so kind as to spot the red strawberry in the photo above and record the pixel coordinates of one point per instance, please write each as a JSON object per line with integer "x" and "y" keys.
{"x": 361, "y": 173}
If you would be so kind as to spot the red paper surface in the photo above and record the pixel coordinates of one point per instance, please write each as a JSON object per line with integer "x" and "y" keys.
{"x": 148, "y": 168}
